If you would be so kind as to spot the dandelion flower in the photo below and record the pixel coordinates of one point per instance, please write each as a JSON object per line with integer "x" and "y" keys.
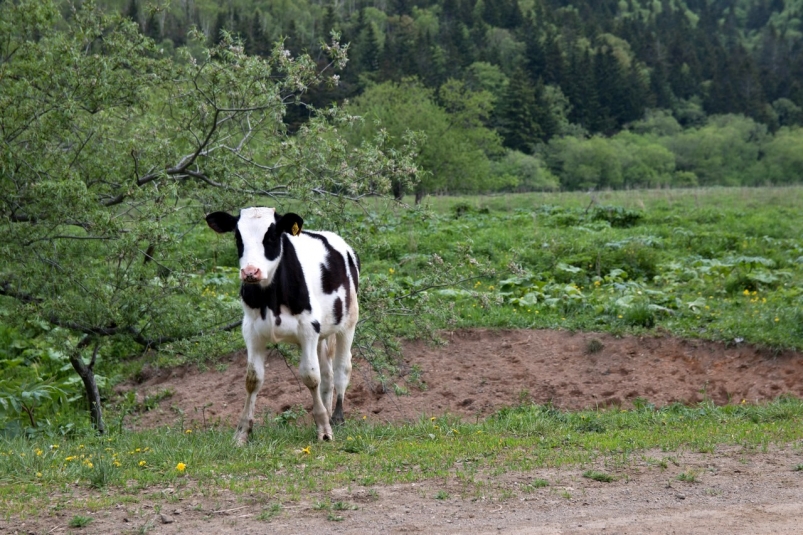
{"x": 306, "y": 450}
{"x": 181, "y": 467}
{"x": 188, "y": 431}
{"x": 38, "y": 474}
{"x": 142, "y": 463}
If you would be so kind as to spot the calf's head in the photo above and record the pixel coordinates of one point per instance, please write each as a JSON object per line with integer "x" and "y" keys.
{"x": 258, "y": 234}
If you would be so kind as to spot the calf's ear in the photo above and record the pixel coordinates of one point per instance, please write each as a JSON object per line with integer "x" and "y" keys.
{"x": 290, "y": 223}
{"x": 222, "y": 222}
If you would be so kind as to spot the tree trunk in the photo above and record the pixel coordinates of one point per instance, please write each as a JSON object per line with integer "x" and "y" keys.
{"x": 398, "y": 190}
{"x": 92, "y": 393}
{"x": 419, "y": 196}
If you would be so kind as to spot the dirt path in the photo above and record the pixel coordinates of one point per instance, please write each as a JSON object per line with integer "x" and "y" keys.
{"x": 735, "y": 493}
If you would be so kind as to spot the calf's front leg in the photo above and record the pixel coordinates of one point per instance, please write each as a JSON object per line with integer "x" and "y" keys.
{"x": 308, "y": 369}
{"x": 254, "y": 377}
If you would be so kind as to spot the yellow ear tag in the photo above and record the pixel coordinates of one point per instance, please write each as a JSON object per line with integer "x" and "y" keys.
{"x": 295, "y": 230}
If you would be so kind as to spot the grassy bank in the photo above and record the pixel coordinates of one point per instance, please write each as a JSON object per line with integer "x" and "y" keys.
{"x": 283, "y": 462}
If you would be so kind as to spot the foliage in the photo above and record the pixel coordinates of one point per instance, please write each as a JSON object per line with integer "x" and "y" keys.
{"x": 112, "y": 153}
{"x": 455, "y": 147}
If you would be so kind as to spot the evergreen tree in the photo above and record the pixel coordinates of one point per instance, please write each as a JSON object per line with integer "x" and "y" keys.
{"x": 132, "y": 12}
{"x": 581, "y": 90}
{"x": 257, "y": 42}
{"x": 152, "y": 28}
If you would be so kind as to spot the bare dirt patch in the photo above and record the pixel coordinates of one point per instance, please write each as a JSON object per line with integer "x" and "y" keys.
{"x": 479, "y": 371}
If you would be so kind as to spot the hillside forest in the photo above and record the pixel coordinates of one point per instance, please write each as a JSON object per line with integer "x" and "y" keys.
{"x": 521, "y": 95}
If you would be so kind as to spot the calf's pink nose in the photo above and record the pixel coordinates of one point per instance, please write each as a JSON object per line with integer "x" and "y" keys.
{"x": 250, "y": 273}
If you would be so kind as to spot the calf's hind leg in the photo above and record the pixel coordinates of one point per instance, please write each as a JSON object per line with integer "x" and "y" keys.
{"x": 342, "y": 372}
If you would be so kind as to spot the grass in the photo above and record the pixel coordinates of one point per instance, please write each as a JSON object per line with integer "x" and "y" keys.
{"x": 719, "y": 263}
{"x": 276, "y": 464}
{"x": 722, "y": 264}
{"x": 688, "y": 477}
{"x": 79, "y": 521}
{"x": 602, "y": 477}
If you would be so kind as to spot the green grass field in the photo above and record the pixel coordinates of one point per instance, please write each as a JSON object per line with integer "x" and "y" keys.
{"x": 722, "y": 264}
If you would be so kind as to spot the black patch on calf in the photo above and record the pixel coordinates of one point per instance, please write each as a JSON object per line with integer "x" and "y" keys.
{"x": 355, "y": 271}
{"x": 287, "y": 288}
{"x": 316, "y": 326}
{"x": 338, "y": 310}
{"x": 333, "y": 268}
{"x": 239, "y": 239}
{"x": 278, "y": 320}
{"x": 272, "y": 243}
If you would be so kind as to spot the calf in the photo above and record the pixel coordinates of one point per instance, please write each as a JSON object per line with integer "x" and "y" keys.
{"x": 297, "y": 287}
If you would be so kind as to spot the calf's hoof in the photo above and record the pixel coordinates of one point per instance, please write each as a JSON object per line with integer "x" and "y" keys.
{"x": 243, "y": 432}
{"x": 325, "y": 434}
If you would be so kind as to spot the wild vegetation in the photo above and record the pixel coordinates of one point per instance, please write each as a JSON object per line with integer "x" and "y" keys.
{"x": 120, "y": 129}
{"x": 545, "y": 94}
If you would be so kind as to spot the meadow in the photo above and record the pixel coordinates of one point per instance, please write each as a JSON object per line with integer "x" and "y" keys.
{"x": 718, "y": 264}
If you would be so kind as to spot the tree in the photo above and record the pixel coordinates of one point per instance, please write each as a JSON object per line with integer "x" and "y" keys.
{"x": 112, "y": 153}
{"x": 456, "y": 145}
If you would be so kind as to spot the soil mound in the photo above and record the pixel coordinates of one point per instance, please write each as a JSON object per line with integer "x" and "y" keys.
{"x": 479, "y": 371}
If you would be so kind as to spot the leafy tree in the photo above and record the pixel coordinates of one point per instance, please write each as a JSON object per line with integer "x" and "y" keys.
{"x": 783, "y": 158}
{"x": 723, "y": 152}
{"x": 455, "y": 150}
{"x": 593, "y": 163}
{"x": 524, "y": 172}
{"x": 112, "y": 153}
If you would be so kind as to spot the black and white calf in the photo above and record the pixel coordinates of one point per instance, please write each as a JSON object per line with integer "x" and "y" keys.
{"x": 297, "y": 287}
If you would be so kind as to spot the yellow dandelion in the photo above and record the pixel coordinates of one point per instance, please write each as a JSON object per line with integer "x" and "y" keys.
{"x": 71, "y": 458}
{"x": 38, "y": 474}
{"x": 54, "y": 446}
{"x": 391, "y": 271}
{"x": 432, "y": 419}
{"x": 117, "y": 463}
{"x": 39, "y": 452}
{"x": 777, "y": 319}
{"x": 89, "y": 464}
{"x": 180, "y": 467}
{"x": 142, "y": 463}
{"x": 188, "y": 431}
{"x": 306, "y": 450}
{"x": 746, "y": 292}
